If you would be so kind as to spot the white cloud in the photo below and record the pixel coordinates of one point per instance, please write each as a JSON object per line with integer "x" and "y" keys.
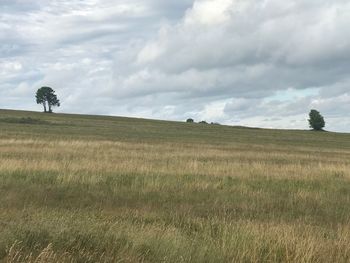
{"x": 208, "y": 12}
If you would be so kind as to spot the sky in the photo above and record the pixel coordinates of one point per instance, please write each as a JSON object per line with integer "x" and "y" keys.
{"x": 259, "y": 63}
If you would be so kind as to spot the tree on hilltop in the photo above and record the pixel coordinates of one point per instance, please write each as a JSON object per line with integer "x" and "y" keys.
{"x": 316, "y": 120}
{"x": 47, "y": 97}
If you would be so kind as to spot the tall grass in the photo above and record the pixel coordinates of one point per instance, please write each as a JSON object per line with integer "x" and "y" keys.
{"x": 98, "y": 189}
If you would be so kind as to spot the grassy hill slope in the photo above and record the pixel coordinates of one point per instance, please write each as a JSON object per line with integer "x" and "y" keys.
{"x": 80, "y": 188}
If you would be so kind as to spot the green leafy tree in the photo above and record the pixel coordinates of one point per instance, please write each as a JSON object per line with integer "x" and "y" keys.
{"x": 316, "y": 120}
{"x": 190, "y": 120}
{"x": 47, "y": 97}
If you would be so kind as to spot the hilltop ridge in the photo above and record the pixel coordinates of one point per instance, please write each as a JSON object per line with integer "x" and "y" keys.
{"x": 77, "y": 126}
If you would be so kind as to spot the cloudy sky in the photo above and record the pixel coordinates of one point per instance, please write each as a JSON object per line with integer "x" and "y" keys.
{"x": 261, "y": 63}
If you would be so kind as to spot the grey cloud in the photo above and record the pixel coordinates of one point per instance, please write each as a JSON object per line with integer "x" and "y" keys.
{"x": 338, "y": 88}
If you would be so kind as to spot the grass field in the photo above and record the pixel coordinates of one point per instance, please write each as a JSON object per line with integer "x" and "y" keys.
{"x": 103, "y": 189}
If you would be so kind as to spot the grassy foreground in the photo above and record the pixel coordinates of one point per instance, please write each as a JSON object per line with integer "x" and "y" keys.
{"x": 102, "y": 189}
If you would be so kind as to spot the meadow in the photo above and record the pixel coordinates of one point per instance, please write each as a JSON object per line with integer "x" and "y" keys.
{"x": 77, "y": 188}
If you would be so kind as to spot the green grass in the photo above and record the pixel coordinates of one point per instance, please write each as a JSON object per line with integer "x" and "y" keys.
{"x": 104, "y": 189}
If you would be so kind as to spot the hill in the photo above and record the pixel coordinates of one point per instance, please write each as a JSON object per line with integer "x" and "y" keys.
{"x": 24, "y": 124}
{"x": 79, "y": 188}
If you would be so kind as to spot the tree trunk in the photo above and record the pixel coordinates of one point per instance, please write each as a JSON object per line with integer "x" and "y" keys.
{"x": 44, "y": 106}
{"x": 50, "y": 109}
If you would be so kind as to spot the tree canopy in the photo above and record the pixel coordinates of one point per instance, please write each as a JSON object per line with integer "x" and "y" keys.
{"x": 316, "y": 120}
{"x": 47, "y": 97}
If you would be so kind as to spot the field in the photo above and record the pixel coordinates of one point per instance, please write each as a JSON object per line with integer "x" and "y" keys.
{"x": 103, "y": 189}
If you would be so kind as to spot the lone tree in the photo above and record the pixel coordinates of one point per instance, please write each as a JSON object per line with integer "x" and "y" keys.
{"x": 316, "y": 120}
{"x": 47, "y": 97}
{"x": 190, "y": 120}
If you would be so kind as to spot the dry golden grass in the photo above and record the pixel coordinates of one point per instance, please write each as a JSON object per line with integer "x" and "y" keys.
{"x": 197, "y": 195}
